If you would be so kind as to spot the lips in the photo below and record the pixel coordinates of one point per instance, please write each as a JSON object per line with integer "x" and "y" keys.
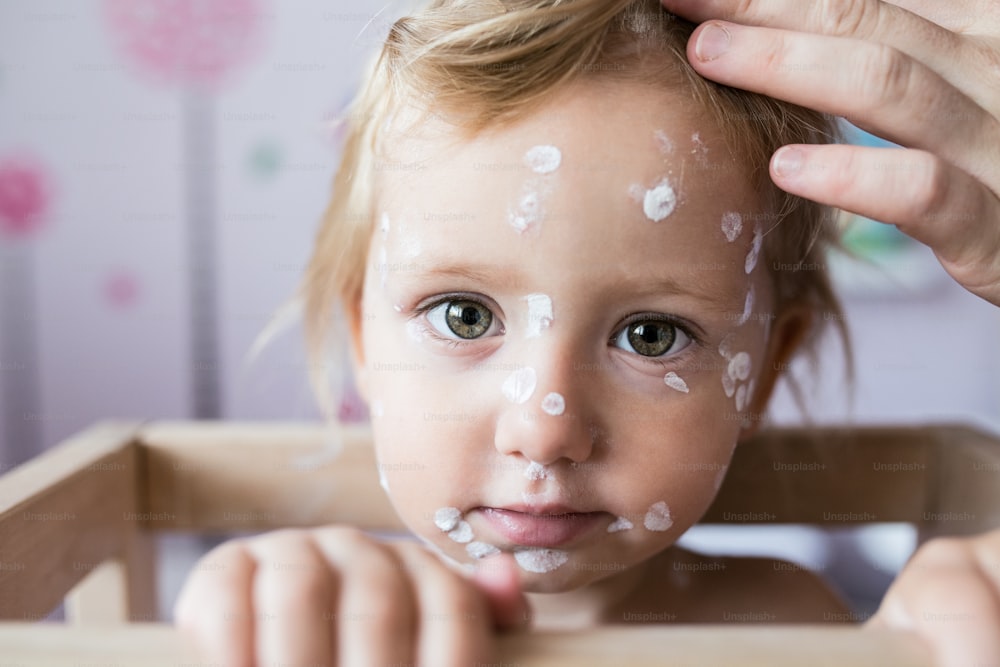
{"x": 548, "y": 526}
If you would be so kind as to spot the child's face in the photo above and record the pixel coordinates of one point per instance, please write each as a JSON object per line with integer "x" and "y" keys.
{"x": 552, "y": 372}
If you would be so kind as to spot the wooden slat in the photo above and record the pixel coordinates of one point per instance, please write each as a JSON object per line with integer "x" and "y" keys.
{"x": 225, "y": 477}
{"x": 62, "y": 514}
{"x": 243, "y": 476}
{"x": 966, "y": 491}
{"x": 835, "y": 476}
{"x": 153, "y": 645}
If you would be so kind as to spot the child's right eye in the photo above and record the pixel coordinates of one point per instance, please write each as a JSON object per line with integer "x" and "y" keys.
{"x": 461, "y": 319}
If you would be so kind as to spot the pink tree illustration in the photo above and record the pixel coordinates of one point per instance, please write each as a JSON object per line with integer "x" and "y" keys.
{"x": 186, "y": 41}
{"x": 196, "y": 45}
{"x": 24, "y": 198}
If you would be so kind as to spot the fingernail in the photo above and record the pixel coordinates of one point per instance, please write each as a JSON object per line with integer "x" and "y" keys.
{"x": 788, "y": 161}
{"x": 713, "y": 42}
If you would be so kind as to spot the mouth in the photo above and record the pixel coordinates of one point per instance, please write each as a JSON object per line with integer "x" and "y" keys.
{"x": 546, "y": 526}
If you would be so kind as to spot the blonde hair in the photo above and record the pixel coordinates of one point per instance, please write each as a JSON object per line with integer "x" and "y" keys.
{"x": 482, "y": 63}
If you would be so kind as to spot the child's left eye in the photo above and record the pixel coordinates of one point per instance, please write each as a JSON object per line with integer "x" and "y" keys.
{"x": 461, "y": 319}
{"x": 652, "y": 338}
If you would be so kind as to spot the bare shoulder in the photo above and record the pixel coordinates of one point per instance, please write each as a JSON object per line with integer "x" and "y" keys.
{"x": 750, "y": 590}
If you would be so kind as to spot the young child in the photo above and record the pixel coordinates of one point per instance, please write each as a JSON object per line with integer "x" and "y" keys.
{"x": 569, "y": 288}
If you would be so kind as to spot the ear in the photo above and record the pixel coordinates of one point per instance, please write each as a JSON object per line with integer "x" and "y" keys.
{"x": 787, "y": 335}
{"x": 353, "y": 315}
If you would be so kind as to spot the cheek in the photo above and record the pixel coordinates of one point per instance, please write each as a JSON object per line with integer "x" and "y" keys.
{"x": 673, "y": 451}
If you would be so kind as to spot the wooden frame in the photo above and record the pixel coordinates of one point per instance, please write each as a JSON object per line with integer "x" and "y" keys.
{"x": 76, "y": 523}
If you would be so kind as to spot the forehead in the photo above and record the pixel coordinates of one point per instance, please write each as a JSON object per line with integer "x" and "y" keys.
{"x": 615, "y": 144}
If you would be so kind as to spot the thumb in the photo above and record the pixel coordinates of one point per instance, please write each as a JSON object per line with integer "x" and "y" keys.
{"x": 497, "y": 578}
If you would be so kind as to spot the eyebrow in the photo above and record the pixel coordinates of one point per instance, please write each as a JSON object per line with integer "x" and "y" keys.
{"x": 508, "y": 278}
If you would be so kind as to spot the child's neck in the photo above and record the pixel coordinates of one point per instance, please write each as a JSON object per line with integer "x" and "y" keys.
{"x": 598, "y": 603}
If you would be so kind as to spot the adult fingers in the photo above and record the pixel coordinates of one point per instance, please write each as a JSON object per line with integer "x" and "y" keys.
{"x": 927, "y": 198}
{"x": 829, "y": 16}
{"x": 455, "y": 626}
{"x": 876, "y": 87}
{"x": 963, "y": 16}
{"x": 294, "y": 594}
{"x": 375, "y": 611}
{"x": 964, "y": 62}
{"x": 214, "y": 607}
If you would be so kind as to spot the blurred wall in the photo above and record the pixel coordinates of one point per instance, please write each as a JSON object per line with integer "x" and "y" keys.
{"x": 163, "y": 166}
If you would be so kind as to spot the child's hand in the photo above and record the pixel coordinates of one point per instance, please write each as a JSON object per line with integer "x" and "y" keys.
{"x": 949, "y": 593}
{"x": 922, "y": 73}
{"x": 334, "y": 596}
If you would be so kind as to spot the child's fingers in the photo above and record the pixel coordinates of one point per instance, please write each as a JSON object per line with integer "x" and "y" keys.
{"x": 294, "y": 593}
{"x": 943, "y": 596}
{"x": 214, "y": 607}
{"x": 497, "y": 577}
{"x": 455, "y": 621}
{"x": 934, "y": 202}
{"x": 875, "y": 86}
{"x": 375, "y": 612}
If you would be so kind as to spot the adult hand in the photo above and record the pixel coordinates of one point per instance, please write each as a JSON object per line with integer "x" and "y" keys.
{"x": 949, "y": 594}
{"x": 334, "y": 596}
{"x": 924, "y": 74}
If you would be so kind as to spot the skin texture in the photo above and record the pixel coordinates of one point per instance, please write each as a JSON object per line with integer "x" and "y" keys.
{"x": 447, "y": 436}
{"x": 923, "y": 74}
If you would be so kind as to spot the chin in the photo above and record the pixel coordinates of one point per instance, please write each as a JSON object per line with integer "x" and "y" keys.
{"x": 557, "y": 581}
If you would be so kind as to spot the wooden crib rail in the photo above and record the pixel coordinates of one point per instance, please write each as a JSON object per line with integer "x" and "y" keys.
{"x": 160, "y": 645}
{"x": 77, "y": 522}
{"x": 72, "y": 513}
{"x": 243, "y": 476}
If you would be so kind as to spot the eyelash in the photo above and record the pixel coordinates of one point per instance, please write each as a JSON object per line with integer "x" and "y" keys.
{"x": 452, "y": 343}
{"x": 680, "y": 324}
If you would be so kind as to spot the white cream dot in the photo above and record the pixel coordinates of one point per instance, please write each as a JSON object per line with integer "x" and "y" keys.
{"x": 620, "y": 524}
{"x": 739, "y": 366}
{"x": 527, "y": 212}
{"x": 520, "y": 385}
{"x": 741, "y": 397}
{"x": 754, "y": 254}
{"x": 540, "y": 560}
{"x": 554, "y": 404}
{"x": 480, "y": 549}
{"x": 732, "y": 225}
{"x": 699, "y": 149}
{"x": 728, "y": 384}
{"x": 663, "y": 142}
{"x": 543, "y": 159}
{"x": 658, "y": 518}
{"x": 726, "y": 346}
{"x": 539, "y": 314}
{"x": 659, "y": 201}
{"x": 462, "y": 533}
{"x": 674, "y": 381}
{"x": 747, "y": 306}
{"x": 536, "y": 471}
{"x": 447, "y": 518}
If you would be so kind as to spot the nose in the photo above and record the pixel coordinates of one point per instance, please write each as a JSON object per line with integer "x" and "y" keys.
{"x": 556, "y": 420}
